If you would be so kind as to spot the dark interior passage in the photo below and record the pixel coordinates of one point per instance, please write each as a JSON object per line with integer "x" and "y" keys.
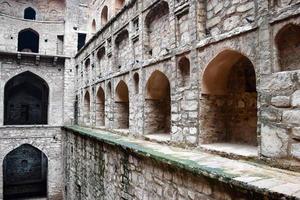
{"x": 28, "y": 41}
{"x": 25, "y": 173}
{"x": 26, "y": 100}
{"x": 29, "y": 13}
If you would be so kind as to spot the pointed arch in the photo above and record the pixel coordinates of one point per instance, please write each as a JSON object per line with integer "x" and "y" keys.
{"x": 122, "y": 106}
{"x": 87, "y": 108}
{"x": 26, "y": 100}
{"x": 104, "y": 15}
{"x": 229, "y": 96}
{"x": 25, "y": 171}
{"x": 100, "y": 107}
{"x": 28, "y": 41}
{"x": 184, "y": 71}
{"x": 94, "y": 27}
{"x": 119, "y": 4}
{"x": 158, "y": 104}
{"x": 136, "y": 82}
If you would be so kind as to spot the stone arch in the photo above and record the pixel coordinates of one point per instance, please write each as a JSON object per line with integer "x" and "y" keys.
{"x": 104, "y": 15}
{"x": 26, "y": 98}
{"x": 101, "y": 61}
{"x": 158, "y": 29}
{"x": 100, "y": 107}
{"x": 28, "y": 41}
{"x": 119, "y": 4}
{"x": 29, "y": 13}
{"x": 86, "y": 108}
{"x": 229, "y": 100}
{"x": 25, "y": 171}
{"x": 87, "y": 64}
{"x": 122, "y": 106}
{"x": 122, "y": 48}
{"x": 184, "y": 71}
{"x": 94, "y": 27}
{"x": 136, "y": 82}
{"x": 288, "y": 46}
{"x": 158, "y": 104}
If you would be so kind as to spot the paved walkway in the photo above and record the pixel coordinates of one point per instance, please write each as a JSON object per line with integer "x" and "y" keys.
{"x": 237, "y": 172}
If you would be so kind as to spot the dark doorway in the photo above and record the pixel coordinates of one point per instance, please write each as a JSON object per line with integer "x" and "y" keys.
{"x": 29, "y": 13}
{"x": 81, "y": 40}
{"x": 26, "y": 100}
{"x": 28, "y": 41}
{"x": 25, "y": 173}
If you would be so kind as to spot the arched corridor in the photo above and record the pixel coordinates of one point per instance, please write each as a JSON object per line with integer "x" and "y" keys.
{"x": 26, "y": 100}
{"x": 228, "y": 102}
{"x": 25, "y": 171}
{"x": 157, "y": 104}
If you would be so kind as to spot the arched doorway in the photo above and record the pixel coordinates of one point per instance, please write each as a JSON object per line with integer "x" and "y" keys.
{"x": 122, "y": 106}
{"x": 26, "y": 100}
{"x": 28, "y": 41}
{"x": 25, "y": 172}
{"x": 229, "y": 100}
{"x": 104, "y": 15}
{"x": 158, "y": 104}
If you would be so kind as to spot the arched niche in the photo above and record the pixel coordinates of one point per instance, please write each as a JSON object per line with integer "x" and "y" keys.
{"x": 158, "y": 104}
{"x": 26, "y": 100}
{"x": 100, "y": 107}
{"x": 288, "y": 46}
{"x": 29, "y": 13}
{"x": 28, "y": 41}
{"x": 104, "y": 15}
{"x": 122, "y": 106}
{"x": 229, "y": 100}
{"x": 87, "y": 108}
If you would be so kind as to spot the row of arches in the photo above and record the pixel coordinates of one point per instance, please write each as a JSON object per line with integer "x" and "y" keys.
{"x": 104, "y": 15}
{"x": 228, "y": 102}
{"x": 157, "y": 104}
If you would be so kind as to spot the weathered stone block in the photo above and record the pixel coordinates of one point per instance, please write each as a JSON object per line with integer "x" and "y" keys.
{"x": 296, "y": 99}
{"x": 291, "y": 116}
{"x": 281, "y": 101}
{"x": 295, "y": 150}
{"x": 274, "y": 141}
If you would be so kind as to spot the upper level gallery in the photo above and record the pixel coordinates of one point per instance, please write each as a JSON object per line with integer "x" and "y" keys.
{"x": 32, "y": 27}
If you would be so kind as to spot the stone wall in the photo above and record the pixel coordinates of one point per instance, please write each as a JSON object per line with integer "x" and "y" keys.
{"x": 96, "y": 170}
{"x": 45, "y": 138}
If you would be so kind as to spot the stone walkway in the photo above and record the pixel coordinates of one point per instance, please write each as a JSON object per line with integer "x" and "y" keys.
{"x": 247, "y": 174}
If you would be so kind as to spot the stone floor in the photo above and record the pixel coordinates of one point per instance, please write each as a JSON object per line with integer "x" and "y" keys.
{"x": 229, "y": 148}
{"x": 238, "y": 172}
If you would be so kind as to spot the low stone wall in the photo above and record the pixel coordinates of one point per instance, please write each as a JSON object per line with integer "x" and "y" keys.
{"x": 110, "y": 167}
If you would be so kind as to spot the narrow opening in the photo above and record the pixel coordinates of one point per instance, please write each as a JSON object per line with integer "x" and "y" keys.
{"x": 60, "y": 44}
{"x": 94, "y": 26}
{"x": 25, "y": 172}
{"x": 229, "y": 100}
{"x": 81, "y": 40}
{"x": 29, "y": 13}
{"x": 136, "y": 80}
{"x": 122, "y": 106}
{"x": 86, "y": 109}
{"x": 104, "y": 15}
{"x": 158, "y": 104}
{"x": 28, "y": 41}
{"x": 122, "y": 47}
{"x": 184, "y": 71}
{"x": 100, "y": 108}
{"x": 288, "y": 45}
{"x": 26, "y": 100}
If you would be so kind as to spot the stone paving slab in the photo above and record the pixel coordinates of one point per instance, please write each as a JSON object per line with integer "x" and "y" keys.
{"x": 250, "y": 175}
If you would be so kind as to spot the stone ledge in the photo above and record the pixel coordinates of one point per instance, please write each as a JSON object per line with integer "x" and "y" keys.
{"x": 272, "y": 182}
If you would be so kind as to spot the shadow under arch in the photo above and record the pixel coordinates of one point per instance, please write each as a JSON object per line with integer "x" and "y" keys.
{"x": 26, "y": 97}
{"x": 229, "y": 100}
{"x": 25, "y": 171}
{"x": 28, "y": 41}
